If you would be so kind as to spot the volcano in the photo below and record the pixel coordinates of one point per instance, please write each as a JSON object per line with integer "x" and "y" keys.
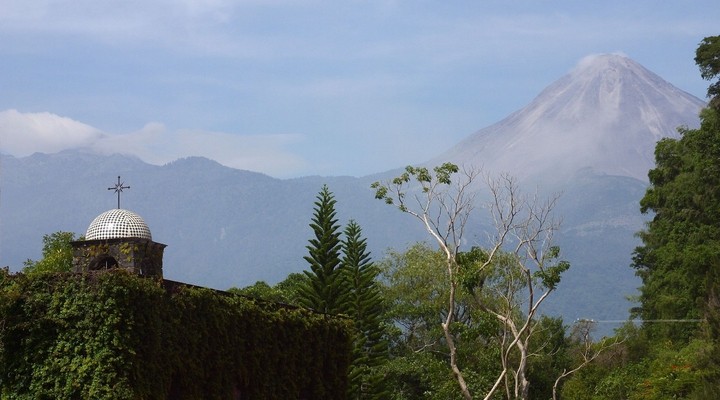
{"x": 605, "y": 116}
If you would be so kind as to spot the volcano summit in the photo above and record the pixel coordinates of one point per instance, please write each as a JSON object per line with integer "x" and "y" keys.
{"x": 606, "y": 115}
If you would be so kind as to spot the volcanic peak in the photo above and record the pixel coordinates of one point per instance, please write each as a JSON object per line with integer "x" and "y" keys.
{"x": 605, "y": 115}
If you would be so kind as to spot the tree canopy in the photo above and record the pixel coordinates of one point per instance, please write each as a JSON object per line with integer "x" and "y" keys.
{"x": 681, "y": 244}
{"x": 707, "y": 57}
{"x": 56, "y": 254}
{"x": 680, "y": 255}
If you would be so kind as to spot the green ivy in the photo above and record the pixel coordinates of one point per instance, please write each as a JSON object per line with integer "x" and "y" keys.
{"x": 113, "y": 335}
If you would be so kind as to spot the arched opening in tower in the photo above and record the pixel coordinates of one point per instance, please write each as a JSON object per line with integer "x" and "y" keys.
{"x": 103, "y": 262}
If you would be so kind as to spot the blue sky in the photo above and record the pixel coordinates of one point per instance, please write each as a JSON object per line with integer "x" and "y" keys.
{"x": 294, "y": 88}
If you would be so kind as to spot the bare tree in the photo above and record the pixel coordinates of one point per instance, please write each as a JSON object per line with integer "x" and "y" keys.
{"x": 522, "y": 223}
{"x": 529, "y": 273}
{"x": 443, "y": 207}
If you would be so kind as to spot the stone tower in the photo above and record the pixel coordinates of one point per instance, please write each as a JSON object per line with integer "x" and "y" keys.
{"x": 118, "y": 239}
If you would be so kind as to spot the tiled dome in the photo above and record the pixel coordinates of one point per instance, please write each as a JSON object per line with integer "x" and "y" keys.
{"x": 118, "y": 223}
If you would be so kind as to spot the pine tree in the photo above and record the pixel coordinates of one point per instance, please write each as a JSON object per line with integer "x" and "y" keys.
{"x": 365, "y": 307}
{"x": 323, "y": 290}
{"x": 348, "y": 287}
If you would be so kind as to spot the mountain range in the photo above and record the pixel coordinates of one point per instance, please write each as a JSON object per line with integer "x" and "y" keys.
{"x": 590, "y": 136}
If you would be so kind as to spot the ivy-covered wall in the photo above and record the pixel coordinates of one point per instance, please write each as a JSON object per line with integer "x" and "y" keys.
{"x": 113, "y": 335}
{"x": 140, "y": 256}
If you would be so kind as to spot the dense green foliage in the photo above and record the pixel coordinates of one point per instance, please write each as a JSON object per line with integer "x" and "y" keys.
{"x": 681, "y": 245}
{"x": 261, "y": 290}
{"x": 57, "y": 254}
{"x": 416, "y": 298}
{"x": 707, "y": 57}
{"x": 117, "y": 336}
{"x": 640, "y": 368}
{"x": 416, "y": 295}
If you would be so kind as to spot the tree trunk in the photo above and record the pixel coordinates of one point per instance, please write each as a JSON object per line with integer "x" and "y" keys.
{"x": 449, "y": 338}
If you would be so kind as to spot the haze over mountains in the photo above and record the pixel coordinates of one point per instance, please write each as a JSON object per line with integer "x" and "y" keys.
{"x": 591, "y": 135}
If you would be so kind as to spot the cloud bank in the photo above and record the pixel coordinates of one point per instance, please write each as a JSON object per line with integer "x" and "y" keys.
{"x": 22, "y": 134}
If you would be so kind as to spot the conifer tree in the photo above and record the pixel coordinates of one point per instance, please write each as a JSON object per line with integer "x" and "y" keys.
{"x": 323, "y": 290}
{"x": 365, "y": 307}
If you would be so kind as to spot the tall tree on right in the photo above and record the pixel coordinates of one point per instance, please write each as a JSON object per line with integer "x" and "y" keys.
{"x": 679, "y": 260}
{"x": 707, "y": 57}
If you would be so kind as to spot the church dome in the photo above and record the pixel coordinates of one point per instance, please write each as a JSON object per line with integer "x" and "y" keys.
{"x": 118, "y": 223}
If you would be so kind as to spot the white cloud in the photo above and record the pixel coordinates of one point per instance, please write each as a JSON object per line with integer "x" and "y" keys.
{"x": 22, "y": 134}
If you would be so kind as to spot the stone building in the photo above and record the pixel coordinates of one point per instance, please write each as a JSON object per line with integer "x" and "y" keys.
{"x": 119, "y": 239}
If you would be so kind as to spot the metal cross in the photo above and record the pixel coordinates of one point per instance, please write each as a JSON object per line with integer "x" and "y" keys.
{"x": 118, "y": 188}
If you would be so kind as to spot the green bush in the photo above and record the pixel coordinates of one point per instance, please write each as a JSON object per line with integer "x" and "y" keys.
{"x": 117, "y": 336}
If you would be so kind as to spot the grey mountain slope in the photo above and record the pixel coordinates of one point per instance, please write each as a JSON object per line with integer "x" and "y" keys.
{"x": 590, "y": 135}
{"x": 607, "y": 114}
